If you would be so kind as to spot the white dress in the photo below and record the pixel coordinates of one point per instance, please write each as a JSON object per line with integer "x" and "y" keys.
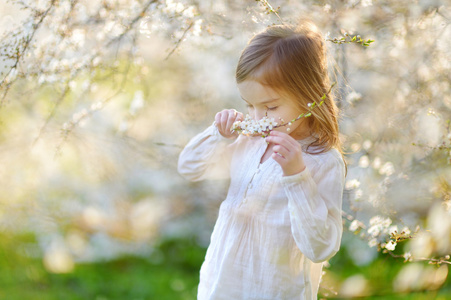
{"x": 273, "y": 232}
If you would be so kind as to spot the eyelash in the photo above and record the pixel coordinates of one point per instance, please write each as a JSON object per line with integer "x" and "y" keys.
{"x": 267, "y": 108}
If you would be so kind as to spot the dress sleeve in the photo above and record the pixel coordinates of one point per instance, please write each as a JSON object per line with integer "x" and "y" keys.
{"x": 206, "y": 156}
{"x": 315, "y": 206}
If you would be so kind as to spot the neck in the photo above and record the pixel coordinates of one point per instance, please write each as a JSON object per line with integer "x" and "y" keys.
{"x": 301, "y": 133}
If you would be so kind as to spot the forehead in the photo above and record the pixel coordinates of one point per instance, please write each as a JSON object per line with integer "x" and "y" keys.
{"x": 254, "y": 92}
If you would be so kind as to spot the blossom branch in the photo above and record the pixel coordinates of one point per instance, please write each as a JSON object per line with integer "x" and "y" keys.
{"x": 380, "y": 226}
{"x": 445, "y": 144}
{"x": 77, "y": 118}
{"x": 19, "y": 53}
{"x": 266, "y": 125}
{"x": 312, "y": 106}
{"x": 133, "y": 22}
{"x": 52, "y": 113}
{"x": 270, "y": 9}
{"x": 433, "y": 261}
{"x": 180, "y": 40}
{"x": 347, "y": 39}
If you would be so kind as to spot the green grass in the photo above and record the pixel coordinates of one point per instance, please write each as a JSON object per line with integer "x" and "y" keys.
{"x": 171, "y": 272}
{"x": 380, "y": 275}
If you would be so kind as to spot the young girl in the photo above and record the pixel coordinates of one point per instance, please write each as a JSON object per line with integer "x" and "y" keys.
{"x": 282, "y": 215}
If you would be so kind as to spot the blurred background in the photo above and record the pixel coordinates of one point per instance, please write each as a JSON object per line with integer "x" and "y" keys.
{"x": 99, "y": 97}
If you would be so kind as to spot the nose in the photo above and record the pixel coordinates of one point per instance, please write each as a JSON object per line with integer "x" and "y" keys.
{"x": 259, "y": 114}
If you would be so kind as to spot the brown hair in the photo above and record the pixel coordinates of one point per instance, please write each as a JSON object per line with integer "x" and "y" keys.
{"x": 292, "y": 61}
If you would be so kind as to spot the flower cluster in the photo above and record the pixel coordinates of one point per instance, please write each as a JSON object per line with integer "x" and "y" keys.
{"x": 380, "y": 232}
{"x": 253, "y": 127}
{"x": 265, "y": 125}
{"x": 381, "y": 227}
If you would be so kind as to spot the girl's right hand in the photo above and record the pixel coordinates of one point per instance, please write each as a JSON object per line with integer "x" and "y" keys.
{"x": 224, "y": 121}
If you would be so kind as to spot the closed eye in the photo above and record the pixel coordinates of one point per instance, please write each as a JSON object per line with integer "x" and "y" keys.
{"x": 272, "y": 108}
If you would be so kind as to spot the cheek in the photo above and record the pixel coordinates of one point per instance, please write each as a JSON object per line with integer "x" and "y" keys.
{"x": 283, "y": 129}
{"x": 284, "y": 115}
{"x": 287, "y": 118}
{"x": 288, "y": 128}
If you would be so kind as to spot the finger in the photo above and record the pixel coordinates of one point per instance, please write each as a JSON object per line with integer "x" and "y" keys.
{"x": 279, "y": 158}
{"x": 289, "y": 139}
{"x": 281, "y": 150}
{"x": 281, "y": 141}
{"x": 230, "y": 120}
{"x": 224, "y": 117}
{"x": 284, "y": 136}
{"x": 240, "y": 117}
{"x": 218, "y": 119}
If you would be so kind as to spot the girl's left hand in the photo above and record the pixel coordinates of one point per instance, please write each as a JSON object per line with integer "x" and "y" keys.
{"x": 287, "y": 152}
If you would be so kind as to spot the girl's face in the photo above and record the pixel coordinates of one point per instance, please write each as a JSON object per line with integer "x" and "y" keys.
{"x": 262, "y": 100}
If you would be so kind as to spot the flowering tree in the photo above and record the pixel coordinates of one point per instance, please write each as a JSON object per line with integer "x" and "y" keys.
{"x": 74, "y": 73}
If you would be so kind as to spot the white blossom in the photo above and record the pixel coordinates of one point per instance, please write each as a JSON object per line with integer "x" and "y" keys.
{"x": 366, "y": 3}
{"x": 390, "y": 246}
{"x": 407, "y": 256}
{"x": 372, "y": 243}
{"x": 96, "y": 105}
{"x": 78, "y": 37}
{"x": 353, "y": 97}
{"x": 379, "y": 225}
{"x": 354, "y": 225}
{"x": 406, "y": 230}
{"x": 387, "y": 169}
{"x": 197, "y": 28}
{"x": 352, "y": 184}
{"x": 189, "y": 12}
{"x": 377, "y": 163}
{"x": 358, "y": 194}
{"x": 364, "y": 162}
{"x": 367, "y": 144}
{"x": 327, "y": 36}
{"x": 250, "y": 126}
{"x": 393, "y": 230}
